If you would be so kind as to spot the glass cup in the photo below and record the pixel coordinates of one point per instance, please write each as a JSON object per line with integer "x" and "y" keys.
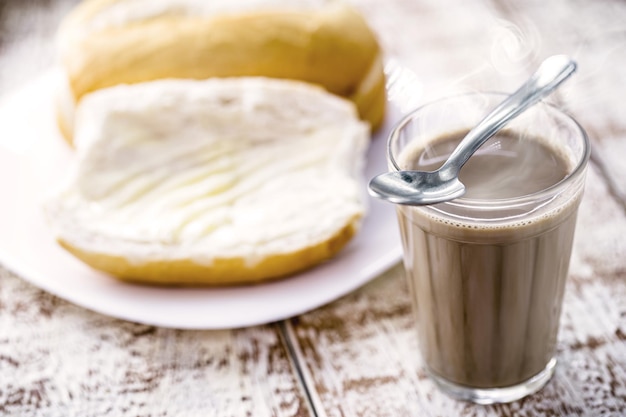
{"x": 487, "y": 275}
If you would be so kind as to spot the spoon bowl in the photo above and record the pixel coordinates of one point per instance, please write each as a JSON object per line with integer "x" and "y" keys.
{"x": 443, "y": 184}
{"x": 427, "y": 187}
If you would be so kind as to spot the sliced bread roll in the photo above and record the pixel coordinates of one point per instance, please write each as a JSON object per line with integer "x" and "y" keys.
{"x": 103, "y": 43}
{"x": 219, "y": 181}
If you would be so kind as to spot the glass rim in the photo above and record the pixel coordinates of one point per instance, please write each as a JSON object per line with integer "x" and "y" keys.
{"x": 497, "y": 202}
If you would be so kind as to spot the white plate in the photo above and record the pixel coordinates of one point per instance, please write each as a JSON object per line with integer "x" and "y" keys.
{"x": 33, "y": 157}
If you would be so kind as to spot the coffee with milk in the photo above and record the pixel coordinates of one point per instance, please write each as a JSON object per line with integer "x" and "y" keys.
{"x": 487, "y": 272}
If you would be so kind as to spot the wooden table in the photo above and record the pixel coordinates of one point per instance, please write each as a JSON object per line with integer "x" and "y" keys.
{"x": 357, "y": 355}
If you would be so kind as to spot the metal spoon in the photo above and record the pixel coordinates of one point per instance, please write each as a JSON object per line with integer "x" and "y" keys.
{"x": 422, "y": 187}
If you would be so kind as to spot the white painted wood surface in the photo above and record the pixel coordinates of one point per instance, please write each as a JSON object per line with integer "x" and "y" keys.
{"x": 360, "y": 354}
{"x": 60, "y": 360}
{"x": 356, "y": 356}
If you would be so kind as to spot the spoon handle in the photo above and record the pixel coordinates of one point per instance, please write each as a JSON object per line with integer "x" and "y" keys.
{"x": 550, "y": 74}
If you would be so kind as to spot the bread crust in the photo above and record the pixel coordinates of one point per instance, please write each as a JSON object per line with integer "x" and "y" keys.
{"x": 221, "y": 271}
{"x": 331, "y": 46}
{"x": 159, "y": 197}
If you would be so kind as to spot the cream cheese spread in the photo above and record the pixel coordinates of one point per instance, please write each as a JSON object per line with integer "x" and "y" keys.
{"x": 239, "y": 167}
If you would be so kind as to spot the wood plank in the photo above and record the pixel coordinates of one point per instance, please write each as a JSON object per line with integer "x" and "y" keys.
{"x": 57, "y": 359}
{"x": 595, "y": 34}
{"x": 27, "y": 39}
{"x": 360, "y": 354}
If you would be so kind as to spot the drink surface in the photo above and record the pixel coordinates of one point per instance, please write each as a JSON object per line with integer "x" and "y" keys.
{"x": 508, "y": 165}
{"x": 487, "y": 289}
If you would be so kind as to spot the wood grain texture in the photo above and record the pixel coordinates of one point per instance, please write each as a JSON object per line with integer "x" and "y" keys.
{"x": 27, "y": 38}
{"x": 595, "y": 34}
{"x": 57, "y": 359}
{"x": 360, "y": 354}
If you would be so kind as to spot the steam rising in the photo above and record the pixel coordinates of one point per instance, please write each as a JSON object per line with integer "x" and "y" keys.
{"x": 514, "y": 46}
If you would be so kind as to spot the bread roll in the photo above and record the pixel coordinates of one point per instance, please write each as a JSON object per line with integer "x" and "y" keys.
{"x": 108, "y": 42}
{"x": 219, "y": 181}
